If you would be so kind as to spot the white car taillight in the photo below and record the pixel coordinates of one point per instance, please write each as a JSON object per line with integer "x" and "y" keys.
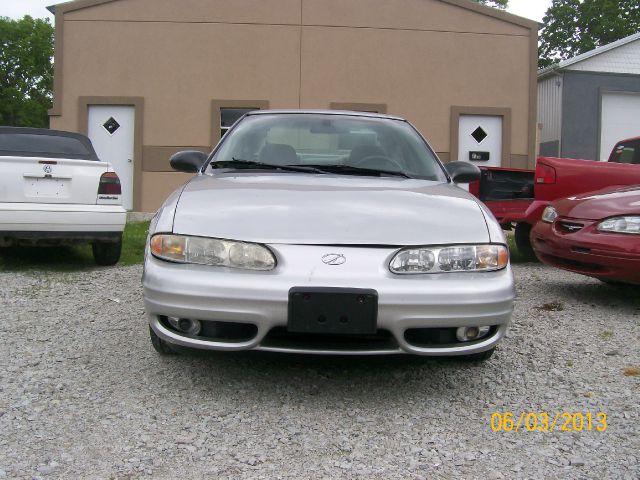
{"x": 109, "y": 188}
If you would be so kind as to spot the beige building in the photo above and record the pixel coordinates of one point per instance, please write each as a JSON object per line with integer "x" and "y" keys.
{"x": 146, "y": 78}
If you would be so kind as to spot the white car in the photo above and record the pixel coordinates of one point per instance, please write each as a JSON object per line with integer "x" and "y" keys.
{"x": 54, "y": 190}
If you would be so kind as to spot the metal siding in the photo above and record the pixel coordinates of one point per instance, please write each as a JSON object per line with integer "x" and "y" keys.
{"x": 550, "y": 108}
{"x": 624, "y": 59}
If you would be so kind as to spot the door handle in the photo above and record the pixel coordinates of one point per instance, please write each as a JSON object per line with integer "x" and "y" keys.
{"x": 129, "y": 160}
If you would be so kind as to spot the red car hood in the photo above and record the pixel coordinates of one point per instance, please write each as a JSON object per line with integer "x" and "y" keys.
{"x": 601, "y": 203}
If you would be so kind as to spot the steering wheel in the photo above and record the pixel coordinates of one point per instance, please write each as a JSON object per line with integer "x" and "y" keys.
{"x": 375, "y": 162}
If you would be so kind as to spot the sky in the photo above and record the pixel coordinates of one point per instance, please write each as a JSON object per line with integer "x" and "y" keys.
{"x": 533, "y": 9}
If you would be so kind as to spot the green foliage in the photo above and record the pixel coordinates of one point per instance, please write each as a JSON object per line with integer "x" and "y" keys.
{"x": 501, "y": 4}
{"x": 514, "y": 254}
{"x": 134, "y": 241}
{"x": 26, "y": 71}
{"x": 572, "y": 27}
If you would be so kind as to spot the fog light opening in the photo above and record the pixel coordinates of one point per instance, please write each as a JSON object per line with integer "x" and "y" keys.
{"x": 468, "y": 334}
{"x": 173, "y": 321}
{"x": 185, "y": 325}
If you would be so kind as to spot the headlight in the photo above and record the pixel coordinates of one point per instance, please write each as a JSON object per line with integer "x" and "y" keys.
{"x": 620, "y": 225}
{"x": 212, "y": 251}
{"x": 458, "y": 258}
{"x": 549, "y": 215}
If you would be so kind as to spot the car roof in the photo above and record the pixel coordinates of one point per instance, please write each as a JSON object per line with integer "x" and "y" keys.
{"x": 52, "y": 134}
{"x": 326, "y": 112}
{"x": 41, "y": 131}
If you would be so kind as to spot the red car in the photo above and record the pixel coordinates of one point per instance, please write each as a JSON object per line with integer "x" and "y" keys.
{"x": 518, "y": 197}
{"x": 595, "y": 234}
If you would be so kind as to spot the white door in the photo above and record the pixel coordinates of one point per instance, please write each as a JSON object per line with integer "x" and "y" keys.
{"x": 480, "y": 140}
{"x": 619, "y": 119}
{"x": 111, "y": 130}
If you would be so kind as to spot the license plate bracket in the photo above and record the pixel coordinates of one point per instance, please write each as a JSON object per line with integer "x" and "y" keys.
{"x": 327, "y": 310}
{"x": 46, "y": 187}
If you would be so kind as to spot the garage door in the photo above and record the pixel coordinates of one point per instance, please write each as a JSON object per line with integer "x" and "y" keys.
{"x": 619, "y": 120}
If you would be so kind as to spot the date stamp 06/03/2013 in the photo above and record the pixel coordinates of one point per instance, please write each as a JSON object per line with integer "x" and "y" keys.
{"x": 548, "y": 422}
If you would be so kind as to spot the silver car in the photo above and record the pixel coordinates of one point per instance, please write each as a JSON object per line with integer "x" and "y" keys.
{"x": 330, "y": 233}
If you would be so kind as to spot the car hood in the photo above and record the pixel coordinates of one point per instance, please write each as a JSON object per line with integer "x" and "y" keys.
{"x": 601, "y": 204}
{"x": 328, "y": 210}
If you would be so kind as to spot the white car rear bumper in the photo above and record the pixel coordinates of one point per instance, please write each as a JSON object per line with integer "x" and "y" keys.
{"x": 51, "y": 217}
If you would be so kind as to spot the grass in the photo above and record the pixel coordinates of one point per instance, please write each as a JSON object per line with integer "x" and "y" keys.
{"x": 72, "y": 258}
{"x": 133, "y": 243}
{"x": 606, "y": 334}
{"x": 515, "y": 255}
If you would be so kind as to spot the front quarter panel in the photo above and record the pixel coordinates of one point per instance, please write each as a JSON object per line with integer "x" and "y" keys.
{"x": 496, "y": 235}
{"x": 163, "y": 219}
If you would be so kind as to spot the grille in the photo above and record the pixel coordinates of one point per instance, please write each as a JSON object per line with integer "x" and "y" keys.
{"x": 571, "y": 227}
{"x": 281, "y": 338}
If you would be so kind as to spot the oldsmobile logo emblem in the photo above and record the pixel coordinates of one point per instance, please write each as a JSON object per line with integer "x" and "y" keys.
{"x": 334, "y": 259}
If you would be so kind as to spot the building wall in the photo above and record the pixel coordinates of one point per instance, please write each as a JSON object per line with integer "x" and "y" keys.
{"x": 550, "y": 114}
{"x": 581, "y": 109}
{"x": 419, "y": 61}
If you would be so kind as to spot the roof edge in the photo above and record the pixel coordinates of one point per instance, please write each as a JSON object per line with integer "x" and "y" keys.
{"x": 73, "y": 5}
{"x": 495, "y": 13}
{"x": 586, "y": 55}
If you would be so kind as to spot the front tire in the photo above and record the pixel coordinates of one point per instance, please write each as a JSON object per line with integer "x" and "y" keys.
{"x": 106, "y": 253}
{"x": 523, "y": 241}
{"x": 160, "y": 346}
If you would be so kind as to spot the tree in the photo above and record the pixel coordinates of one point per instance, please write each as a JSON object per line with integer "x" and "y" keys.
{"x": 26, "y": 71}
{"x": 572, "y": 27}
{"x": 501, "y": 4}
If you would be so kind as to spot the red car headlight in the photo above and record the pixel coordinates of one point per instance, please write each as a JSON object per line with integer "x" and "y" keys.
{"x": 630, "y": 224}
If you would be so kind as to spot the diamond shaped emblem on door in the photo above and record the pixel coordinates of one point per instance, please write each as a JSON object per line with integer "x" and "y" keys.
{"x": 479, "y": 134}
{"x": 111, "y": 125}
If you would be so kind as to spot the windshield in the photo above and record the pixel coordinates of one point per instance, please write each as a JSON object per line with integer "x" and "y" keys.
{"x": 331, "y": 140}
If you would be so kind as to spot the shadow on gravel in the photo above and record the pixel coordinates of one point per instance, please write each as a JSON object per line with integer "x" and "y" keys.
{"x": 599, "y": 294}
{"x": 57, "y": 259}
{"x": 363, "y": 379}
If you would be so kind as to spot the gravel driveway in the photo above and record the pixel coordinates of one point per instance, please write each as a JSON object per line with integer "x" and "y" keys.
{"x": 83, "y": 394}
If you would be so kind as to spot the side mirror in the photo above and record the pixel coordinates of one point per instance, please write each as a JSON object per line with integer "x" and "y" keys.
{"x": 463, "y": 172}
{"x": 188, "y": 161}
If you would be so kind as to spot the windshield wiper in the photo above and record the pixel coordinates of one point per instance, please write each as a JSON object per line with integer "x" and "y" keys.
{"x": 242, "y": 163}
{"x": 348, "y": 169}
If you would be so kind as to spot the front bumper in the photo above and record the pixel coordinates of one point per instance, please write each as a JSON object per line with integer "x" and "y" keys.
{"x": 261, "y": 298}
{"x": 50, "y": 221}
{"x": 607, "y": 256}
